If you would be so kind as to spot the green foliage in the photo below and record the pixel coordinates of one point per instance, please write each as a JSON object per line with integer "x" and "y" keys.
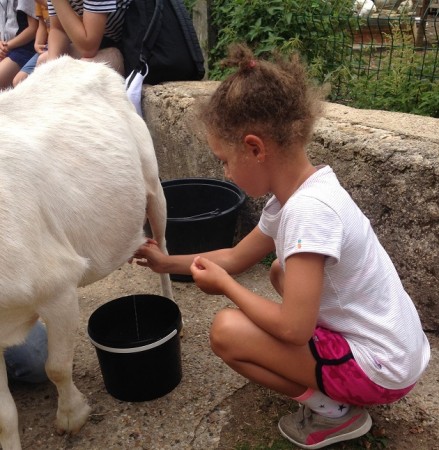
{"x": 399, "y": 86}
{"x": 268, "y": 260}
{"x": 190, "y": 4}
{"x": 281, "y": 25}
{"x": 395, "y": 78}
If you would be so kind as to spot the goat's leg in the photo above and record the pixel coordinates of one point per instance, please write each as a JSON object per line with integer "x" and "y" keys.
{"x": 9, "y": 436}
{"x": 62, "y": 319}
{"x": 156, "y": 213}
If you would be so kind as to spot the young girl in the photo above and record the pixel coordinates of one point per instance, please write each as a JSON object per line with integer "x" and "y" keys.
{"x": 40, "y": 45}
{"x": 18, "y": 27}
{"x": 346, "y": 334}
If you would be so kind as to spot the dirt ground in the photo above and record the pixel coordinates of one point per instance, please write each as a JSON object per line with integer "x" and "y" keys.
{"x": 212, "y": 407}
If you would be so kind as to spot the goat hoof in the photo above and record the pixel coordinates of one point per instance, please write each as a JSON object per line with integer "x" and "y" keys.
{"x": 59, "y": 431}
{"x": 73, "y": 422}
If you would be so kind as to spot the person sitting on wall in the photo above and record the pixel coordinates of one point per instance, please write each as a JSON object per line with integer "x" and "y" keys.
{"x": 87, "y": 29}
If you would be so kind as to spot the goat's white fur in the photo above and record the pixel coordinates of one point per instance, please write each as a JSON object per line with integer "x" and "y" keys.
{"x": 78, "y": 170}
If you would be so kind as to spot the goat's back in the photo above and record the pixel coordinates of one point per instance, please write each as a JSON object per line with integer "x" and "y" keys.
{"x": 73, "y": 159}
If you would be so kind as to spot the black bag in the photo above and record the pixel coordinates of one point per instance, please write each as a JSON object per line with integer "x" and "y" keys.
{"x": 159, "y": 40}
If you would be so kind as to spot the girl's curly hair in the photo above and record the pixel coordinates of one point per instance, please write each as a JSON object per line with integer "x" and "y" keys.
{"x": 270, "y": 99}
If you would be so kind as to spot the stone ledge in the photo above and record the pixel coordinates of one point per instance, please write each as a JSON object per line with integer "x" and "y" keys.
{"x": 389, "y": 163}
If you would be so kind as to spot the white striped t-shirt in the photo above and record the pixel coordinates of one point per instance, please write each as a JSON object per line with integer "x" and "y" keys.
{"x": 363, "y": 297}
{"x": 9, "y": 22}
{"x": 115, "y": 9}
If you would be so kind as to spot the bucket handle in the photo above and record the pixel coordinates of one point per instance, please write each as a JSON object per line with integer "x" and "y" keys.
{"x": 213, "y": 213}
{"x": 135, "y": 349}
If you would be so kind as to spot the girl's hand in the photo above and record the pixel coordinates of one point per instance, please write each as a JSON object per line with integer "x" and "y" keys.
{"x": 208, "y": 276}
{"x": 149, "y": 255}
{"x": 40, "y": 48}
{"x": 3, "y": 49}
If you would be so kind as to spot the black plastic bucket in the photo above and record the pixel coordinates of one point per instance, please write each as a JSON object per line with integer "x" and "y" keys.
{"x": 137, "y": 342}
{"x": 202, "y": 216}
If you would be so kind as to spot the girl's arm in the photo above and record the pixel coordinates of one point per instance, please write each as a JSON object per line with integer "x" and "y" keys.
{"x": 41, "y": 36}
{"x": 3, "y": 50}
{"x": 58, "y": 41}
{"x": 248, "y": 252}
{"x": 26, "y": 36}
{"x": 294, "y": 319}
{"x": 85, "y": 32}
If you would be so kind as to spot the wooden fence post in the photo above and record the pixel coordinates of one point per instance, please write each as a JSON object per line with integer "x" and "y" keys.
{"x": 202, "y": 24}
{"x": 421, "y": 38}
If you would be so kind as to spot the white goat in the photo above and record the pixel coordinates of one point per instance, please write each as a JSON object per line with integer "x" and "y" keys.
{"x": 78, "y": 171}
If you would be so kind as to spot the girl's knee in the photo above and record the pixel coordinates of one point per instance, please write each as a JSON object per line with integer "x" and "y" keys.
{"x": 21, "y": 76}
{"x": 111, "y": 56}
{"x": 42, "y": 58}
{"x": 223, "y": 329}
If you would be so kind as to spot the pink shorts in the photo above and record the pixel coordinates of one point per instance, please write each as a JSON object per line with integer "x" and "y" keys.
{"x": 341, "y": 378}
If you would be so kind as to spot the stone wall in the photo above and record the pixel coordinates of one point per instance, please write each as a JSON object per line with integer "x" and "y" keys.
{"x": 388, "y": 162}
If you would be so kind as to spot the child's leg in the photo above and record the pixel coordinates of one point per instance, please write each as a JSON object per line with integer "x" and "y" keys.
{"x": 21, "y": 76}
{"x": 42, "y": 58}
{"x": 319, "y": 423}
{"x": 322, "y": 404}
{"x": 26, "y": 70}
{"x": 111, "y": 56}
{"x": 340, "y": 377}
{"x": 8, "y": 70}
{"x": 290, "y": 370}
{"x": 258, "y": 356}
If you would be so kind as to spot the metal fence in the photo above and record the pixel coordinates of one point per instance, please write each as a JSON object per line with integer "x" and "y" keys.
{"x": 379, "y": 54}
{"x": 379, "y": 36}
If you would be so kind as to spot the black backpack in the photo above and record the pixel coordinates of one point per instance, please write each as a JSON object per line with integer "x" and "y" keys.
{"x": 159, "y": 39}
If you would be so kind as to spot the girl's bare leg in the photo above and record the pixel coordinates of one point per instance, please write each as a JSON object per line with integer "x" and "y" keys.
{"x": 8, "y": 70}
{"x": 258, "y": 356}
{"x": 112, "y": 56}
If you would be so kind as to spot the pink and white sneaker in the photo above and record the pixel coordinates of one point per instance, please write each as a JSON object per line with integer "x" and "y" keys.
{"x": 308, "y": 429}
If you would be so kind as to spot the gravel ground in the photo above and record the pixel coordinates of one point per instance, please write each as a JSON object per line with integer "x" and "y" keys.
{"x": 212, "y": 407}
